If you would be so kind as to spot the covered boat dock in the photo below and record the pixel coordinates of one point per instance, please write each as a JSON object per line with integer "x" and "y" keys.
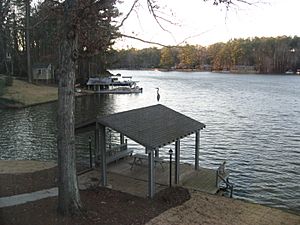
{"x": 152, "y": 127}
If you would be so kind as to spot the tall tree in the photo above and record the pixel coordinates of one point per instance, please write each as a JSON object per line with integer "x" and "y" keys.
{"x": 188, "y": 56}
{"x": 27, "y": 17}
{"x": 68, "y": 192}
{"x": 5, "y": 10}
{"x": 167, "y": 57}
{"x": 78, "y": 19}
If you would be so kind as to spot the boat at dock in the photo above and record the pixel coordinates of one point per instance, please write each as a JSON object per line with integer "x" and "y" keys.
{"x": 289, "y": 72}
{"x": 112, "y": 85}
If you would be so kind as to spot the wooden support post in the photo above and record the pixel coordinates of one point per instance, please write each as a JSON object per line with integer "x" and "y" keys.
{"x": 90, "y": 151}
{"x": 197, "y": 143}
{"x": 103, "y": 154}
{"x": 177, "y": 160}
{"x": 121, "y": 139}
{"x": 151, "y": 173}
{"x": 157, "y": 153}
{"x": 97, "y": 143}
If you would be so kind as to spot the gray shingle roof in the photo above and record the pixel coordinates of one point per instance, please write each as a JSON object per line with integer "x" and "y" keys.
{"x": 153, "y": 126}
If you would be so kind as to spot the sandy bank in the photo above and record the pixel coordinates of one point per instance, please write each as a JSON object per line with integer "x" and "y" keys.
{"x": 208, "y": 209}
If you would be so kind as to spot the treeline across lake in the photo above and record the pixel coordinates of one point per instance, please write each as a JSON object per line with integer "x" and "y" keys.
{"x": 261, "y": 55}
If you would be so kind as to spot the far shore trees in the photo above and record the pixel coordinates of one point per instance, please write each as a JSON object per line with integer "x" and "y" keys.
{"x": 266, "y": 55}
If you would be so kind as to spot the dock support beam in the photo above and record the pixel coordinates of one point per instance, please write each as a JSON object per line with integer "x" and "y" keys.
{"x": 103, "y": 154}
{"x": 121, "y": 139}
{"x": 97, "y": 143}
{"x": 177, "y": 160}
{"x": 156, "y": 153}
{"x": 197, "y": 144}
{"x": 151, "y": 173}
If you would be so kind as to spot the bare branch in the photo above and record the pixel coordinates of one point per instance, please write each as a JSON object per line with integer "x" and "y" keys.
{"x": 128, "y": 14}
{"x": 151, "y": 8}
{"x": 228, "y": 3}
{"x": 39, "y": 22}
{"x": 193, "y": 36}
{"x": 145, "y": 41}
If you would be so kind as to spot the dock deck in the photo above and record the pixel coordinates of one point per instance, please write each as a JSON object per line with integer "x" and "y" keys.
{"x": 134, "y": 180}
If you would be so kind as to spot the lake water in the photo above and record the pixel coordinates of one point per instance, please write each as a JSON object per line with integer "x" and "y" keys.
{"x": 252, "y": 122}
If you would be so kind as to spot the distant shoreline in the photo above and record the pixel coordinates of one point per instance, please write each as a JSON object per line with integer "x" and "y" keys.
{"x": 199, "y": 70}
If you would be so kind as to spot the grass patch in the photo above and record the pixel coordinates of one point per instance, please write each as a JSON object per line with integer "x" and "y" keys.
{"x": 29, "y": 94}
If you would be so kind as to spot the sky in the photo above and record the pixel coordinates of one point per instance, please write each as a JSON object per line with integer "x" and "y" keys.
{"x": 201, "y": 23}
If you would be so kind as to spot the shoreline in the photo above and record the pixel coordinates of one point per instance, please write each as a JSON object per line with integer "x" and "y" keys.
{"x": 36, "y": 168}
{"x": 23, "y": 94}
{"x": 210, "y": 71}
{"x": 201, "y": 208}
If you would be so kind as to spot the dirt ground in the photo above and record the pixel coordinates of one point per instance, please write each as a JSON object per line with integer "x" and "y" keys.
{"x": 206, "y": 209}
{"x": 106, "y": 206}
{"x": 19, "y": 184}
{"x": 103, "y": 206}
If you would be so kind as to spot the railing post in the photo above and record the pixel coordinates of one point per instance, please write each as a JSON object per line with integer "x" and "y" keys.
{"x": 217, "y": 178}
{"x": 197, "y": 144}
{"x": 177, "y": 161}
{"x": 151, "y": 173}
{"x": 121, "y": 139}
{"x": 170, "y": 153}
{"x": 103, "y": 154}
{"x": 90, "y": 149}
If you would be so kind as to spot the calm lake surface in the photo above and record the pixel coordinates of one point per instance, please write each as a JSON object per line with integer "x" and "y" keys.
{"x": 252, "y": 122}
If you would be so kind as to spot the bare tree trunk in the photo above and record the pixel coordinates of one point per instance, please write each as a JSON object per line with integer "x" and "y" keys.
{"x": 29, "y": 71}
{"x": 68, "y": 193}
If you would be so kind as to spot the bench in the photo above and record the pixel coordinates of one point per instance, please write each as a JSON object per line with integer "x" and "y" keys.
{"x": 119, "y": 155}
{"x": 139, "y": 158}
{"x": 115, "y": 153}
{"x": 114, "y": 150}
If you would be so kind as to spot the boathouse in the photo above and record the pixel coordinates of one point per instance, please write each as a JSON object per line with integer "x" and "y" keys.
{"x": 152, "y": 127}
{"x": 42, "y": 72}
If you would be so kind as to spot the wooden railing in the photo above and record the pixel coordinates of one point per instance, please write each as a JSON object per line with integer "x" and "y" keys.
{"x": 222, "y": 175}
{"x": 115, "y": 153}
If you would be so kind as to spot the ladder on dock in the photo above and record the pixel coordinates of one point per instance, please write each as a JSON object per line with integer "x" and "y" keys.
{"x": 208, "y": 180}
{"x": 222, "y": 176}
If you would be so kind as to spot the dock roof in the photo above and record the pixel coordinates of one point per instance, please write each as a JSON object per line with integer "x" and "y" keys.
{"x": 153, "y": 127}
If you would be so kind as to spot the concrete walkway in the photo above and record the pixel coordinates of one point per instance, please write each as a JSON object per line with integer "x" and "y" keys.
{"x": 27, "y": 197}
